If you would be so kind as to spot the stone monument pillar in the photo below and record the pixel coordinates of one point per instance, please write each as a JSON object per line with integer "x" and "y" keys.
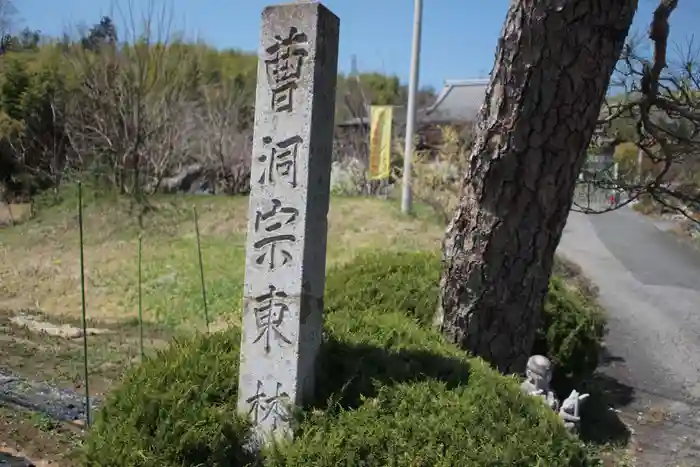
{"x": 287, "y": 226}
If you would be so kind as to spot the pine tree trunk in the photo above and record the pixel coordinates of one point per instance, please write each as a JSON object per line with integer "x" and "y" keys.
{"x": 551, "y": 73}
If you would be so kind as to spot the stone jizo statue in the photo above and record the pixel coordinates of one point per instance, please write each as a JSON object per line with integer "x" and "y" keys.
{"x": 538, "y": 376}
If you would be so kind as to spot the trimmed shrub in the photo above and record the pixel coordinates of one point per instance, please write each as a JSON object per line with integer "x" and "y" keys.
{"x": 176, "y": 409}
{"x": 391, "y": 393}
{"x": 423, "y": 403}
{"x": 365, "y": 349}
{"x": 571, "y": 334}
{"x": 387, "y": 282}
{"x": 572, "y": 328}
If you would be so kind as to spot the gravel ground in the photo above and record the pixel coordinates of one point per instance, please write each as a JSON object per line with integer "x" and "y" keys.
{"x": 60, "y": 404}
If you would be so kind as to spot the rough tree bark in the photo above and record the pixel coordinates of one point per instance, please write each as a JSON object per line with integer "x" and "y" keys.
{"x": 551, "y": 73}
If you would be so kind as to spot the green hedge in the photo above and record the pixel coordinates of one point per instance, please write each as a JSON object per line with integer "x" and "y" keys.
{"x": 390, "y": 391}
{"x": 413, "y": 400}
{"x": 388, "y": 282}
{"x": 177, "y": 409}
{"x": 572, "y": 326}
{"x": 418, "y": 401}
{"x": 571, "y": 334}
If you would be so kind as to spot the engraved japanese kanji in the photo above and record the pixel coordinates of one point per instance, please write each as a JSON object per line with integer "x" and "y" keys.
{"x": 272, "y": 249}
{"x": 289, "y": 180}
{"x": 284, "y": 63}
{"x": 281, "y": 160}
{"x": 270, "y": 311}
{"x": 263, "y": 406}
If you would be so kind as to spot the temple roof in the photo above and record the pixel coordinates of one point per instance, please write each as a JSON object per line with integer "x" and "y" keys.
{"x": 458, "y": 102}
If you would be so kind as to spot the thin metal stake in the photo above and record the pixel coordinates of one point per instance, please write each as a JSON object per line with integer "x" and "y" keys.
{"x": 201, "y": 267}
{"x": 82, "y": 292}
{"x": 140, "y": 304}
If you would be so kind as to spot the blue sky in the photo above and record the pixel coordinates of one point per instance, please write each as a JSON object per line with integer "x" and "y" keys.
{"x": 459, "y": 36}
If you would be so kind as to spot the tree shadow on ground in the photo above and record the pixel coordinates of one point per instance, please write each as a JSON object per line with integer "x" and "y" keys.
{"x": 606, "y": 357}
{"x": 347, "y": 372}
{"x": 600, "y": 421}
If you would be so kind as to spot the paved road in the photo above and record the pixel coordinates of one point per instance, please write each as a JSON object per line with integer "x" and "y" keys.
{"x": 649, "y": 283}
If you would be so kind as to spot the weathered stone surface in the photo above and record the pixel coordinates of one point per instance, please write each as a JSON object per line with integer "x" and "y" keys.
{"x": 290, "y": 184}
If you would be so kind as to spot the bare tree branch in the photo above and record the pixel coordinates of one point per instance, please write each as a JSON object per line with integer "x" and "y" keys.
{"x": 659, "y": 113}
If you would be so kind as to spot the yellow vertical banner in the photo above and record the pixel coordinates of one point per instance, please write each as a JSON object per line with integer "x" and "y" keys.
{"x": 381, "y": 119}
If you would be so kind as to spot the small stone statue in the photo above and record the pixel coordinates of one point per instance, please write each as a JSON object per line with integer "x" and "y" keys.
{"x": 538, "y": 375}
{"x": 569, "y": 411}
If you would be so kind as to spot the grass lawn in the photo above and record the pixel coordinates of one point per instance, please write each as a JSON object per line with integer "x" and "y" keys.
{"x": 39, "y": 260}
{"x": 40, "y": 276}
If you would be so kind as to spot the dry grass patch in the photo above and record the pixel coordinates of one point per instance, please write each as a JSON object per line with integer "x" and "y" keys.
{"x": 39, "y": 260}
{"x": 357, "y": 224}
{"x": 56, "y": 359}
{"x": 11, "y": 214}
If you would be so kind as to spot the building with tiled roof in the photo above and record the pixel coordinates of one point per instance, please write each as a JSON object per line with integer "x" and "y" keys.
{"x": 457, "y": 103}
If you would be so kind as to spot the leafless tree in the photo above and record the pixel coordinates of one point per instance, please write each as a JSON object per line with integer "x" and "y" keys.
{"x": 8, "y": 17}
{"x": 122, "y": 119}
{"x": 224, "y": 134}
{"x": 659, "y": 114}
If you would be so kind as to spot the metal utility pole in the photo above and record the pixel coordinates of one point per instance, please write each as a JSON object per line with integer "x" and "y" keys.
{"x": 411, "y": 107}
